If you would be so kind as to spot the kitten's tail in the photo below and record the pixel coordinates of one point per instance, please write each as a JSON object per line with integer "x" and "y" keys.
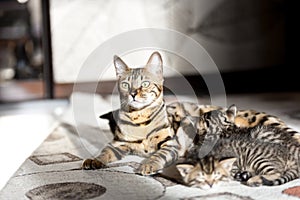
{"x": 286, "y": 177}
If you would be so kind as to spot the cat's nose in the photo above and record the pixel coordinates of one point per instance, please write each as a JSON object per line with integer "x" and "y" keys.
{"x": 133, "y": 94}
{"x": 210, "y": 183}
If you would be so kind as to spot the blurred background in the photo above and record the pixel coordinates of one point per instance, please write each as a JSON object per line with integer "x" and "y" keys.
{"x": 44, "y": 44}
{"x": 252, "y": 42}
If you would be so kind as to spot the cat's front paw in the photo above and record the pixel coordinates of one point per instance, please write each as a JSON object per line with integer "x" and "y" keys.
{"x": 92, "y": 164}
{"x": 254, "y": 181}
{"x": 149, "y": 168}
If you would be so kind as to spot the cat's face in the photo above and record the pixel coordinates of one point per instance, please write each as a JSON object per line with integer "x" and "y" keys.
{"x": 139, "y": 87}
{"x": 206, "y": 173}
{"x": 216, "y": 120}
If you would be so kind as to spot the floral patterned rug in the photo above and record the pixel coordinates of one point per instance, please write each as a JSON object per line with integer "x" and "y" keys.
{"x": 53, "y": 170}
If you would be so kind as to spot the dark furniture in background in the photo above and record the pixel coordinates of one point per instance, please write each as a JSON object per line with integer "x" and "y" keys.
{"x": 35, "y": 80}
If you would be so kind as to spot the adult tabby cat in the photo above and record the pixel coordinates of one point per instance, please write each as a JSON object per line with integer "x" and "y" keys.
{"x": 145, "y": 126}
{"x": 141, "y": 125}
{"x": 262, "y": 155}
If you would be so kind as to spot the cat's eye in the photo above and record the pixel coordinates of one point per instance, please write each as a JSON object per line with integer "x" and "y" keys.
{"x": 217, "y": 173}
{"x": 145, "y": 84}
{"x": 125, "y": 85}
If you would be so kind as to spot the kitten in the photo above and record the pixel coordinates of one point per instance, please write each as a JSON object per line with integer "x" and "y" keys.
{"x": 264, "y": 155}
{"x": 206, "y": 172}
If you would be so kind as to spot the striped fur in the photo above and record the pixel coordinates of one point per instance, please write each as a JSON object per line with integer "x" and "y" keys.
{"x": 265, "y": 155}
{"x": 141, "y": 126}
{"x": 216, "y": 121}
{"x": 177, "y": 111}
{"x": 145, "y": 126}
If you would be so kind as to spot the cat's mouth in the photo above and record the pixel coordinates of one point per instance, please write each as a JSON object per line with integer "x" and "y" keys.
{"x": 137, "y": 105}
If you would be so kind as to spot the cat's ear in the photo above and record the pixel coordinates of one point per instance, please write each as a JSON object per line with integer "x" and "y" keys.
{"x": 184, "y": 169}
{"x": 120, "y": 66}
{"x": 155, "y": 64}
{"x": 231, "y": 112}
{"x": 227, "y": 164}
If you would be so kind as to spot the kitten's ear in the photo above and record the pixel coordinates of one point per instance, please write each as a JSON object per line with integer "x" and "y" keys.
{"x": 189, "y": 120}
{"x": 155, "y": 64}
{"x": 184, "y": 169}
{"x": 227, "y": 163}
{"x": 120, "y": 66}
{"x": 187, "y": 128}
{"x": 231, "y": 112}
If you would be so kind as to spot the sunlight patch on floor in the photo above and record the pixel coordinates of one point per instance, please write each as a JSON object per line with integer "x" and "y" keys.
{"x": 20, "y": 135}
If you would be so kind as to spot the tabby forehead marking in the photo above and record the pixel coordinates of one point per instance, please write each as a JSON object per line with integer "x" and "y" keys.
{"x": 135, "y": 74}
{"x": 207, "y": 165}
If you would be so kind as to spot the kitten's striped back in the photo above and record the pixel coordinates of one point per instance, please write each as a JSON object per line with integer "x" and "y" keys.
{"x": 266, "y": 154}
{"x": 242, "y": 118}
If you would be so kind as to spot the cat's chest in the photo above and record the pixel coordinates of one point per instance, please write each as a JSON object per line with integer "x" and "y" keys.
{"x": 137, "y": 126}
{"x": 134, "y": 133}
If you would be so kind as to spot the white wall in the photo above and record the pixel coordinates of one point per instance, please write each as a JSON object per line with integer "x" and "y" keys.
{"x": 237, "y": 34}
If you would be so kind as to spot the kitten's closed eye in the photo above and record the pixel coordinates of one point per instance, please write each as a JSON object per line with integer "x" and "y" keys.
{"x": 206, "y": 173}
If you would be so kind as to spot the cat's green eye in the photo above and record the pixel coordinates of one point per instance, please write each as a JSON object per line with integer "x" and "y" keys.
{"x": 125, "y": 85}
{"x": 145, "y": 84}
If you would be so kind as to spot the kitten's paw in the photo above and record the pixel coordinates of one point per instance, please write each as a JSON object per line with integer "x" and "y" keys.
{"x": 149, "y": 168}
{"x": 254, "y": 181}
{"x": 92, "y": 164}
{"x": 242, "y": 176}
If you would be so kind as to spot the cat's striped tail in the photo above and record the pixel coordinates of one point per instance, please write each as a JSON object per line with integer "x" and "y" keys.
{"x": 286, "y": 177}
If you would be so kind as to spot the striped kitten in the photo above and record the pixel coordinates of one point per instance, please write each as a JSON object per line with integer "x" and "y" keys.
{"x": 222, "y": 123}
{"x": 265, "y": 155}
{"x": 206, "y": 172}
{"x": 177, "y": 112}
{"x": 141, "y": 126}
